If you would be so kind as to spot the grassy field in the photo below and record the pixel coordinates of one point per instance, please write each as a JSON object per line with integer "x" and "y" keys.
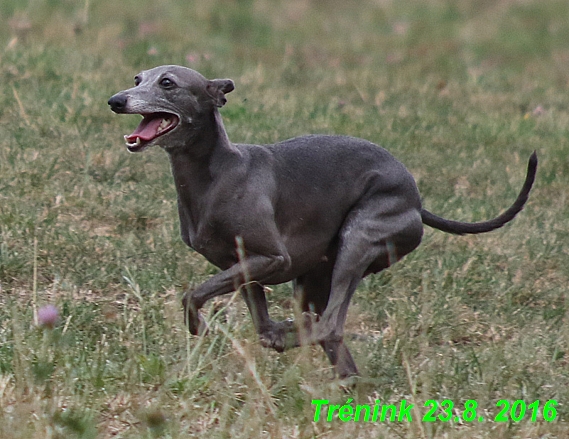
{"x": 460, "y": 91}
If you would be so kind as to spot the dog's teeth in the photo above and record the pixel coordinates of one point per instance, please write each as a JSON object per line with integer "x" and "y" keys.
{"x": 164, "y": 124}
{"x": 137, "y": 143}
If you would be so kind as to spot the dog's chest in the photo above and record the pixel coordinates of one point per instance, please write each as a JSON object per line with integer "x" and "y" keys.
{"x": 210, "y": 237}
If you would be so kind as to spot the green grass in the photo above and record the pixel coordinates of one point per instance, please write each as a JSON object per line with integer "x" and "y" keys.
{"x": 460, "y": 91}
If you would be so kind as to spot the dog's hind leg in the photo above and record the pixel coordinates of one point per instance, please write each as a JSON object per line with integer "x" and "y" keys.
{"x": 312, "y": 291}
{"x": 372, "y": 238}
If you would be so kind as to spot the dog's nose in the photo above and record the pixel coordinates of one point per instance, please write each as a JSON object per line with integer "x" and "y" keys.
{"x": 118, "y": 103}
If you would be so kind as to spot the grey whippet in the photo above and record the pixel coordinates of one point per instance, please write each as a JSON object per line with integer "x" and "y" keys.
{"x": 323, "y": 211}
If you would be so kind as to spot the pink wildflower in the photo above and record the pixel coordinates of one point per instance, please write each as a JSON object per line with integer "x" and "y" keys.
{"x": 47, "y": 316}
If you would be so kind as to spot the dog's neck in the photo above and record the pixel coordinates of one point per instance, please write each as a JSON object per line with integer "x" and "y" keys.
{"x": 214, "y": 139}
{"x": 196, "y": 165}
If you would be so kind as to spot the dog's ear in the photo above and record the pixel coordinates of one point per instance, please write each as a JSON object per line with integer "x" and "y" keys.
{"x": 217, "y": 88}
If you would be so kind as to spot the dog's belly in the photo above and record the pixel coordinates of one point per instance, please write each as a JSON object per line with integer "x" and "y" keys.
{"x": 305, "y": 254}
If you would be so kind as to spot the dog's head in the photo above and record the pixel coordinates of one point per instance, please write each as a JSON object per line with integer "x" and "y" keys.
{"x": 174, "y": 103}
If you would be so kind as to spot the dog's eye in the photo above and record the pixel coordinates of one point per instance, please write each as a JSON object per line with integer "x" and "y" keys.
{"x": 137, "y": 80}
{"x": 167, "y": 83}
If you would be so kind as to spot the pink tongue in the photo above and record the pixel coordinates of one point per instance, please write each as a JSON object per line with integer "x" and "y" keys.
{"x": 146, "y": 130}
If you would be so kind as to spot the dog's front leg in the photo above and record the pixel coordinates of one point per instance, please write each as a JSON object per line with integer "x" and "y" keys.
{"x": 255, "y": 268}
{"x": 275, "y": 335}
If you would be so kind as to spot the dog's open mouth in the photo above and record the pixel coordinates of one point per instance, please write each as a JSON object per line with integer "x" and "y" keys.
{"x": 152, "y": 126}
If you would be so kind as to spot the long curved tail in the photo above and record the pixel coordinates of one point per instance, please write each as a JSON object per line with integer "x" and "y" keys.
{"x": 460, "y": 228}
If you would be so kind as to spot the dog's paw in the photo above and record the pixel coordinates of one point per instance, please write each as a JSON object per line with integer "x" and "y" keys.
{"x": 203, "y": 329}
{"x": 196, "y": 325}
{"x": 280, "y": 336}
